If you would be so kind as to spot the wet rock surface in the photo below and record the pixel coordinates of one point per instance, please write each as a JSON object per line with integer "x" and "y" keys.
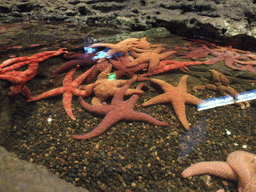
{"x": 213, "y": 19}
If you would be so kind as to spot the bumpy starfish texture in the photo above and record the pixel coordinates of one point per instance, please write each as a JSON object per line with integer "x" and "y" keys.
{"x": 68, "y": 90}
{"x": 153, "y": 57}
{"x": 118, "y": 110}
{"x": 107, "y": 88}
{"x": 82, "y": 59}
{"x": 222, "y": 85}
{"x": 240, "y": 166}
{"x": 178, "y": 96}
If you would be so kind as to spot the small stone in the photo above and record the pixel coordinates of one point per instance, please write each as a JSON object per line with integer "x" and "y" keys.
{"x": 133, "y": 184}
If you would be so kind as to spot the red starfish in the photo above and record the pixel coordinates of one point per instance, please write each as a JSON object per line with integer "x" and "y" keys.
{"x": 18, "y": 62}
{"x": 68, "y": 90}
{"x": 19, "y": 78}
{"x": 121, "y": 63}
{"x": 82, "y": 59}
{"x": 168, "y": 65}
{"x": 240, "y": 166}
{"x": 118, "y": 110}
{"x": 98, "y": 68}
{"x": 178, "y": 96}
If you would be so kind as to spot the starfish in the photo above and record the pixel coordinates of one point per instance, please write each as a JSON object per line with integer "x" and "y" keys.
{"x": 168, "y": 65}
{"x": 240, "y": 166}
{"x": 153, "y": 57}
{"x": 19, "y": 78}
{"x": 222, "y": 85}
{"x": 82, "y": 59}
{"x": 143, "y": 45}
{"x": 98, "y": 68}
{"x": 121, "y": 63}
{"x": 18, "y": 62}
{"x": 178, "y": 96}
{"x": 107, "y": 88}
{"x": 118, "y": 110}
{"x": 229, "y": 57}
{"x": 68, "y": 90}
{"x": 121, "y": 47}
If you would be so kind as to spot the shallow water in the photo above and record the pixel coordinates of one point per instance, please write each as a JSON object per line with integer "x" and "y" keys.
{"x": 130, "y": 156}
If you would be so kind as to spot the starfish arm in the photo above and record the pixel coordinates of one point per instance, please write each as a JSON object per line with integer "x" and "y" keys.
{"x": 65, "y": 67}
{"x": 14, "y": 79}
{"x": 87, "y": 90}
{"x": 179, "y": 108}
{"x": 104, "y": 74}
{"x": 66, "y": 100}
{"x": 110, "y": 119}
{"x": 166, "y": 54}
{"x": 26, "y": 92}
{"x": 217, "y": 168}
{"x": 82, "y": 77}
{"x": 163, "y": 98}
{"x": 139, "y": 116}
{"x": 192, "y": 99}
{"x": 243, "y": 163}
{"x": 119, "y": 95}
{"x": 183, "y": 82}
{"x": 214, "y": 60}
{"x": 133, "y": 91}
{"x": 133, "y": 99}
{"x": 153, "y": 64}
{"x": 69, "y": 76}
{"x": 165, "y": 86}
{"x": 49, "y": 93}
{"x": 98, "y": 109}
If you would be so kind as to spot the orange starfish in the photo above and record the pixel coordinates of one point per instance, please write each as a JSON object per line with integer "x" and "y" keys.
{"x": 178, "y": 96}
{"x": 121, "y": 47}
{"x": 153, "y": 57}
{"x": 240, "y": 166}
{"x": 68, "y": 90}
{"x": 107, "y": 87}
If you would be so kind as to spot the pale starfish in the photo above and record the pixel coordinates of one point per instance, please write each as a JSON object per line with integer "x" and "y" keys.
{"x": 153, "y": 57}
{"x": 222, "y": 85}
{"x": 68, "y": 90}
{"x": 143, "y": 45}
{"x": 240, "y": 166}
{"x": 178, "y": 96}
{"x": 121, "y": 47}
{"x": 107, "y": 88}
{"x": 118, "y": 110}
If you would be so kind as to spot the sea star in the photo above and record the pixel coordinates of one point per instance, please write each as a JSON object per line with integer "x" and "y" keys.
{"x": 153, "y": 57}
{"x": 107, "y": 88}
{"x": 240, "y": 166}
{"x": 178, "y": 96}
{"x": 118, "y": 110}
{"x": 229, "y": 57}
{"x": 121, "y": 63}
{"x": 143, "y": 45}
{"x": 121, "y": 47}
{"x": 18, "y": 62}
{"x": 82, "y": 59}
{"x": 68, "y": 90}
{"x": 222, "y": 85}
{"x": 19, "y": 78}
{"x": 168, "y": 65}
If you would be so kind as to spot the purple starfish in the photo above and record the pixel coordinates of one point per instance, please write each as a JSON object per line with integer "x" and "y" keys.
{"x": 81, "y": 59}
{"x": 122, "y": 70}
{"x": 118, "y": 110}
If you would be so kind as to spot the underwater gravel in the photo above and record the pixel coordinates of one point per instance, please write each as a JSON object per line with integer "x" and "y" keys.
{"x": 132, "y": 156}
